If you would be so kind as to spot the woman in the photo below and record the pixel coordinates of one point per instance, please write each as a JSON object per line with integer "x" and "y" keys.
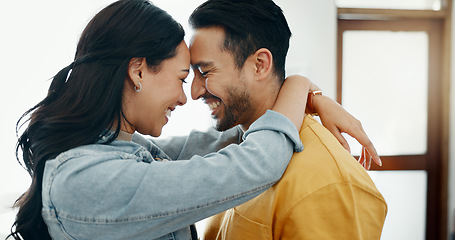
{"x": 91, "y": 181}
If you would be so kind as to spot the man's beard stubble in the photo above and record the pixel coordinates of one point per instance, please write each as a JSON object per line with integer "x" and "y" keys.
{"x": 239, "y": 105}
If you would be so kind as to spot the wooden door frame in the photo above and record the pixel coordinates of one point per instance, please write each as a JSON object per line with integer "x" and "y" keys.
{"x": 435, "y": 162}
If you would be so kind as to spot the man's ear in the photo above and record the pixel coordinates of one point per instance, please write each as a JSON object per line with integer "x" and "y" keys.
{"x": 263, "y": 63}
{"x": 135, "y": 70}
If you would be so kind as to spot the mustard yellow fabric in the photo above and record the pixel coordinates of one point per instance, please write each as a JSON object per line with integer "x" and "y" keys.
{"x": 324, "y": 194}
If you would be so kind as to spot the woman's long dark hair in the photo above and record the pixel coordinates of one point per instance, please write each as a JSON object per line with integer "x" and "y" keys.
{"x": 85, "y": 98}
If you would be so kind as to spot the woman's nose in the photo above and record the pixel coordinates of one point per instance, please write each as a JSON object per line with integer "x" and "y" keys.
{"x": 182, "y": 99}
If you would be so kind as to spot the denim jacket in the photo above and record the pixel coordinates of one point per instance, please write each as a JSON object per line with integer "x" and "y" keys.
{"x": 133, "y": 190}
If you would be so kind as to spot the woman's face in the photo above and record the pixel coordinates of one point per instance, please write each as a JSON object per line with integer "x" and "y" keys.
{"x": 149, "y": 109}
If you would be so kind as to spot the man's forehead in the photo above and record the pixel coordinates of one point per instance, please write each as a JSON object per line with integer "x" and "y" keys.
{"x": 212, "y": 36}
{"x": 201, "y": 53}
{"x": 195, "y": 49}
{"x": 210, "y": 32}
{"x": 206, "y": 47}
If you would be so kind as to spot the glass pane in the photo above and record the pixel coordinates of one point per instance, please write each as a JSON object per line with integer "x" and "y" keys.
{"x": 385, "y": 85}
{"x": 405, "y": 194}
{"x": 391, "y": 4}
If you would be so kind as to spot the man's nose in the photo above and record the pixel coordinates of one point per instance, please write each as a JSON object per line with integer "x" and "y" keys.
{"x": 198, "y": 87}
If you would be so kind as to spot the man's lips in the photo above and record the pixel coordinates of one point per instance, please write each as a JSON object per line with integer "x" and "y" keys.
{"x": 213, "y": 105}
{"x": 213, "y": 102}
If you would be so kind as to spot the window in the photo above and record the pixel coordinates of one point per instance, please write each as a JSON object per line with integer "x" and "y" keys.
{"x": 396, "y": 58}
{"x": 391, "y": 4}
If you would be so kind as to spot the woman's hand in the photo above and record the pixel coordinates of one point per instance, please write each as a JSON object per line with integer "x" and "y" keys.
{"x": 337, "y": 120}
{"x": 292, "y": 99}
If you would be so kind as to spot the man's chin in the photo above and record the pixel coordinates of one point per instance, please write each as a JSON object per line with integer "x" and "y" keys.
{"x": 218, "y": 126}
{"x": 221, "y": 124}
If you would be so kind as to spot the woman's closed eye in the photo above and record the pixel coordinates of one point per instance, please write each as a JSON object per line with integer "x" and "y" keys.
{"x": 184, "y": 76}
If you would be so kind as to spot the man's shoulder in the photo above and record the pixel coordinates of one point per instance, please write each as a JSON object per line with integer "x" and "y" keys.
{"x": 323, "y": 162}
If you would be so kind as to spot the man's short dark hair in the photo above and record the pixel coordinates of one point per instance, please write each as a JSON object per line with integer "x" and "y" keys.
{"x": 249, "y": 25}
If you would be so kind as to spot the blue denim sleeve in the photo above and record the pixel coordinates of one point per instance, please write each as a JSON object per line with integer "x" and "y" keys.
{"x": 198, "y": 142}
{"x": 202, "y": 143}
{"x": 277, "y": 122}
{"x": 112, "y": 197}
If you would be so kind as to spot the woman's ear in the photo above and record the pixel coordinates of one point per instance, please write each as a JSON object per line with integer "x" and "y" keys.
{"x": 135, "y": 70}
{"x": 263, "y": 63}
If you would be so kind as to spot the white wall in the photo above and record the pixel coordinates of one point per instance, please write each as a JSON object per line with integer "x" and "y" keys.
{"x": 38, "y": 38}
{"x": 313, "y": 43}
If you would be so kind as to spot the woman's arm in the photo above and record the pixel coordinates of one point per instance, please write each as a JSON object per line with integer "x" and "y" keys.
{"x": 337, "y": 120}
{"x": 162, "y": 197}
{"x": 293, "y": 94}
{"x": 198, "y": 142}
{"x": 166, "y": 196}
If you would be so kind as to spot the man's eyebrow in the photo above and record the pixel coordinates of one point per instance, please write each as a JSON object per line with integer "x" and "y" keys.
{"x": 201, "y": 64}
{"x": 186, "y": 70}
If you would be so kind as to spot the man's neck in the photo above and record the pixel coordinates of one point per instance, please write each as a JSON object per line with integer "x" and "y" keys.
{"x": 262, "y": 99}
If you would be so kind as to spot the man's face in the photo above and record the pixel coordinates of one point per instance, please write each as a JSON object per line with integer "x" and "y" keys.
{"x": 217, "y": 80}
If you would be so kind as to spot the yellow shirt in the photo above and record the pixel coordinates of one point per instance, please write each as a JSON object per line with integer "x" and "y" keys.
{"x": 324, "y": 194}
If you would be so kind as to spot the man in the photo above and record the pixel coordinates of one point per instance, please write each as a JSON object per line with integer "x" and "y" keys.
{"x": 238, "y": 53}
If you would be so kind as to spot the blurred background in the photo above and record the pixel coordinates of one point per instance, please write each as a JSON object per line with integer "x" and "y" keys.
{"x": 387, "y": 62}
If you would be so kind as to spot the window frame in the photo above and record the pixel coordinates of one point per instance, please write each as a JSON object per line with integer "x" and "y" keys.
{"x": 435, "y": 161}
